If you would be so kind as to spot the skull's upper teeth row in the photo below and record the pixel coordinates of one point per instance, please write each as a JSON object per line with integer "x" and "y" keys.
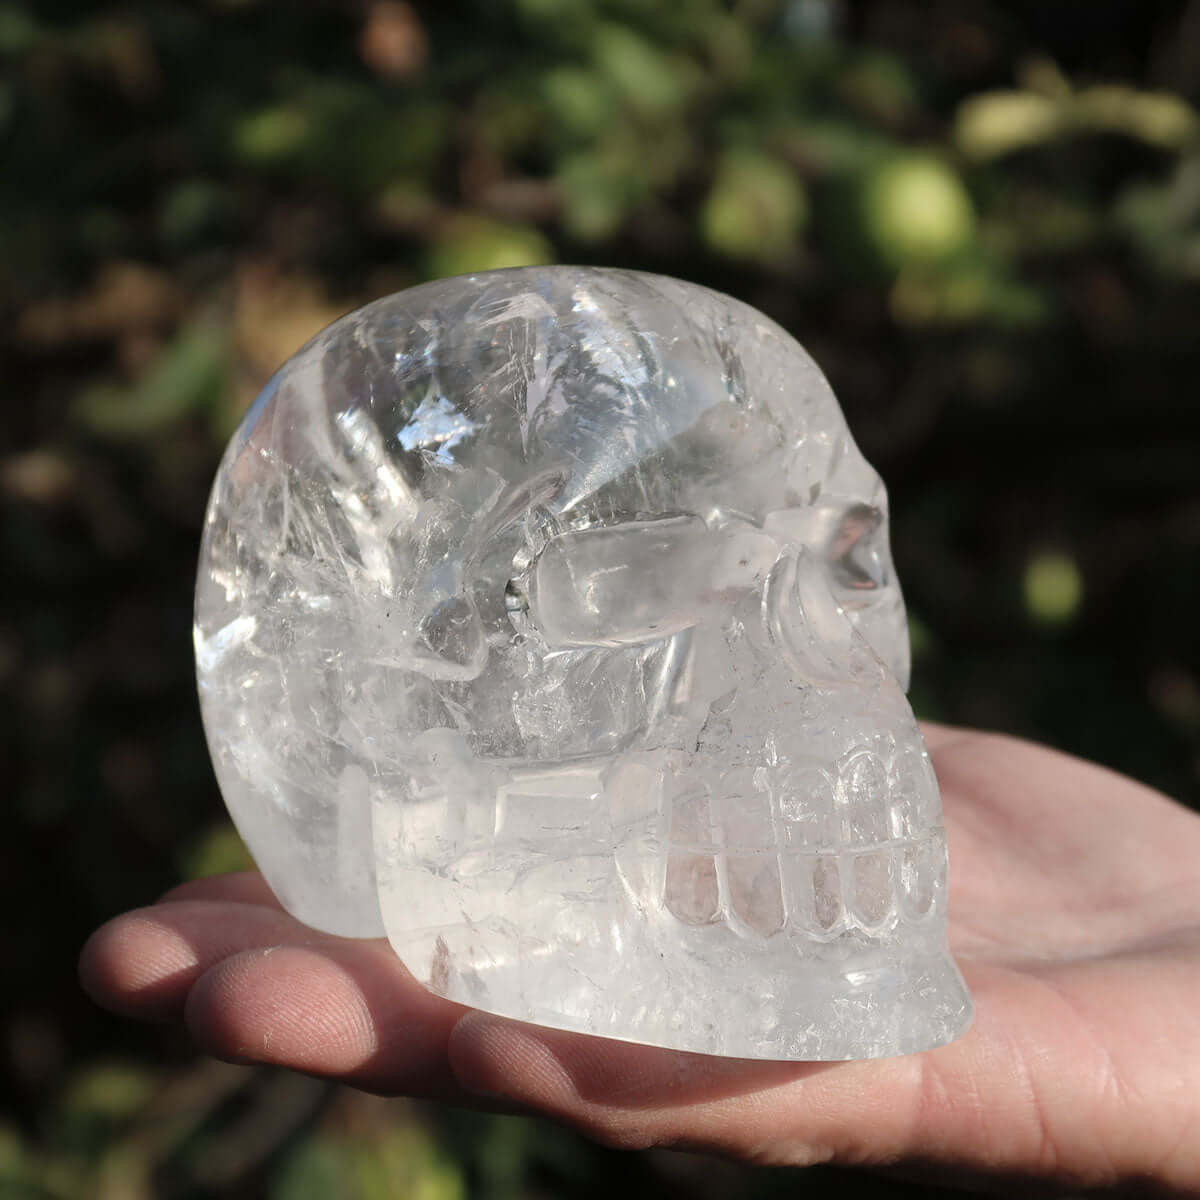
{"x": 813, "y": 896}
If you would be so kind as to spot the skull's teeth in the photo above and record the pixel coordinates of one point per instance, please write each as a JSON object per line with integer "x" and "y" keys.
{"x": 813, "y": 895}
{"x": 806, "y": 848}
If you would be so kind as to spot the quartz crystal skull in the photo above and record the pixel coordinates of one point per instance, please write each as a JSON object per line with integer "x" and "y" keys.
{"x": 546, "y": 622}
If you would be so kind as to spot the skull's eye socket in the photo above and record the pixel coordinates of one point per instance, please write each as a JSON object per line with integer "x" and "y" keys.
{"x": 857, "y": 550}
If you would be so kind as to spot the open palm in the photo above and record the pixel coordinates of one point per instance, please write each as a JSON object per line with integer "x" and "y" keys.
{"x": 1075, "y": 914}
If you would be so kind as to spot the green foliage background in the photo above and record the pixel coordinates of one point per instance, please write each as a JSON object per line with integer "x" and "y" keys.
{"x": 983, "y": 219}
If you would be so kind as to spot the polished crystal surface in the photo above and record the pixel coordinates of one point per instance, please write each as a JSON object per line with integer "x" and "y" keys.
{"x": 546, "y": 623}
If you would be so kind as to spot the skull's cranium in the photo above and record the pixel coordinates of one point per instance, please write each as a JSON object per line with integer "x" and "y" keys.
{"x": 546, "y": 622}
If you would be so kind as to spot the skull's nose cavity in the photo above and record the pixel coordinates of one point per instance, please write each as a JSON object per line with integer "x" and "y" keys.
{"x": 856, "y": 552}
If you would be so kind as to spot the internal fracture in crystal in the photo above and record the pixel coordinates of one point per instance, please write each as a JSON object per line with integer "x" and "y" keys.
{"x": 546, "y": 623}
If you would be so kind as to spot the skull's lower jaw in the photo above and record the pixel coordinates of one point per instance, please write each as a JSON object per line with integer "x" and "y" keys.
{"x": 698, "y": 951}
{"x": 756, "y": 911}
{"x": 704, "y": 989}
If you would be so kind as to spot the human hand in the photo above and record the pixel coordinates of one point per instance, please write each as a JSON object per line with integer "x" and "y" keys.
{"x": 1074, "y": 903}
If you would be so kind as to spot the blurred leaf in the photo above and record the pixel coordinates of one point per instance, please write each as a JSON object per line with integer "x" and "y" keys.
{"x": 111, "y": 1089}
{"x": 353, "y": 136}
{"x": 1053, "y": 587}
{"x": 881, "y": 87}
{"x": 390, "y": 1161}
{"x": 97, "y": 1103}
{"x": 729, "y": 45}
{"x": 18, "y": 30}
{"x": 836, "y": 147}
{"x": 189, "y": 376}
{"x": 318, "y": 1169}
{"x": 598, "y": 192}
{"x": 1159, "y": 118}
{"x": 15, "y": 1167}
{"x": 962, "y": 291}
{"x": 508, "y": 122}
{"x": 599, "y": 188}
{"x": 1015, "y": 304}
{"x": 755, "y": 208}
{"x": 917, "y": 209}
{"x": 216, "y": 852}
{"x": 920, "y": 636}
{"x": 406, "y": 206}
{"x": 652, "y": 83}
{"x": 579, "y": 100}
{"x": 408, "y": 1162}
{"x": 995, "y": 123}
{"x": 914, "y": 209}
{"x": 190, "y": 210}
{"x": 1164, "y": 219}
{"x": 271, "y": 135}
{"x": 124, "y": 1172}
{"x": 468, "y": 244}
{"x": 1040, "y": 220}
{"x": 1044, "y": 76}
{"x": 364, "y": 151}
{"x": 602, "y": 185}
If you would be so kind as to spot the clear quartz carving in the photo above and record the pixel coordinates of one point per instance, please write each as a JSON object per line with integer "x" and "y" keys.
{"x": 546, "y": 623}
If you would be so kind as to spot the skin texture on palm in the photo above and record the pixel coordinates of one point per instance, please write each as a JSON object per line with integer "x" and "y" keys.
{"x": 1074, "y": 912}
